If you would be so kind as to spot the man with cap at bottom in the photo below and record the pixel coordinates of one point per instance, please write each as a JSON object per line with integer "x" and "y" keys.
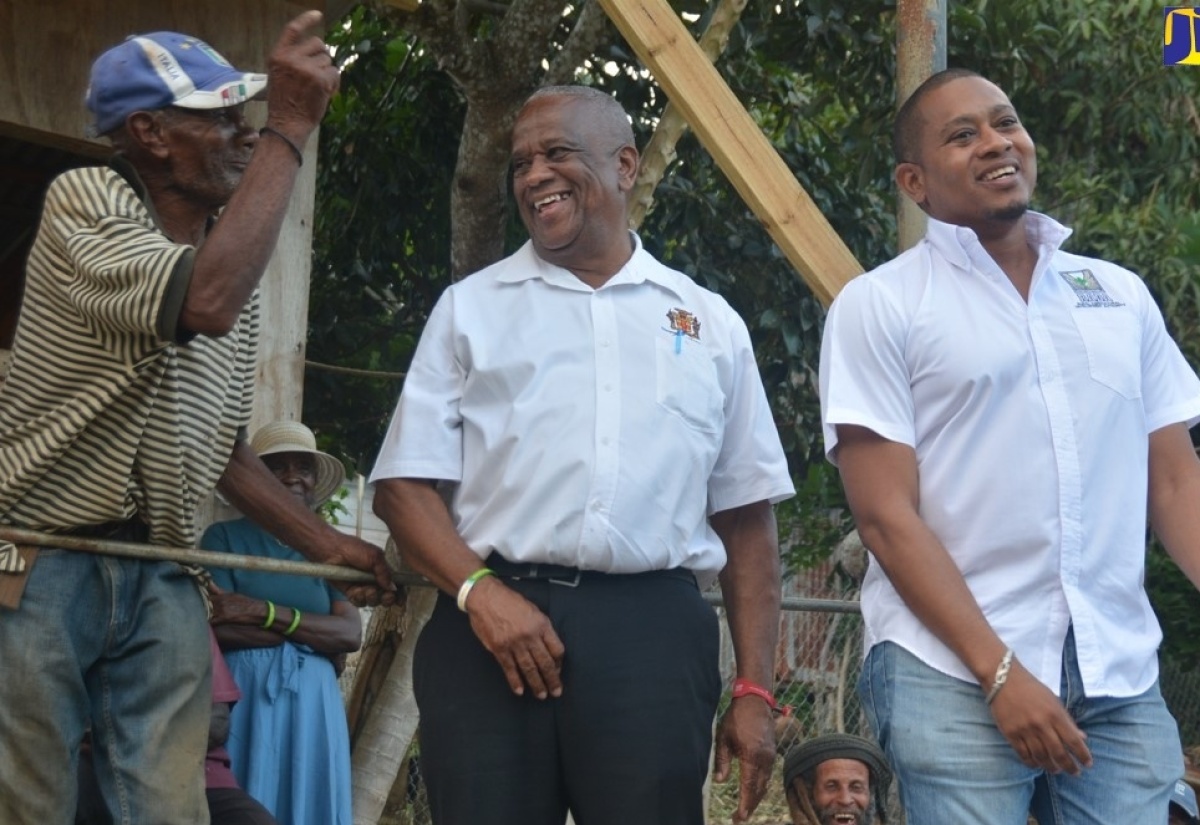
{"x": 127, "y": 403}
{"x": 1183, "y": 809}
{"x": 836, "y": 779}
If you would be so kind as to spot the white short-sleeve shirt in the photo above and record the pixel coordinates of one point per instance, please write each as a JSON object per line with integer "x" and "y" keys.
{"x": 1030, "y": 424}
{"x": 596, "y": 428}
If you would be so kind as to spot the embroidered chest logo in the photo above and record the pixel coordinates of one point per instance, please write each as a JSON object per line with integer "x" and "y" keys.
{"x": 684, "y": 323}
{"x": 1088, "y": 290}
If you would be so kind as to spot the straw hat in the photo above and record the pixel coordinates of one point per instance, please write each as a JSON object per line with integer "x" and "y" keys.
{"x": 294, "y": 437}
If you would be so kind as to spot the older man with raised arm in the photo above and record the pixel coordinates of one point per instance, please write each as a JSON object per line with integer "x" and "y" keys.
{"x": 127, "y": 402}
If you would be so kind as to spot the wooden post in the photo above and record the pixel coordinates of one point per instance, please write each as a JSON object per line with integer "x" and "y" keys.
{"x": 655, "y": 33}
{"x": 920, "y": 51}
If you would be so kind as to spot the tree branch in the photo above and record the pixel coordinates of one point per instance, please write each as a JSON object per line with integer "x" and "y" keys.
{"x": 660, "y": 151}
{"x": 592, "y": 30}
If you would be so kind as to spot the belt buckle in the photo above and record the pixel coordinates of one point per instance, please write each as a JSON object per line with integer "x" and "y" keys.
{"x": 571, "y": 582}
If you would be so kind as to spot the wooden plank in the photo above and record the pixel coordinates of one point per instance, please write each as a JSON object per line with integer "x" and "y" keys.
{"x": 725, "y": 128}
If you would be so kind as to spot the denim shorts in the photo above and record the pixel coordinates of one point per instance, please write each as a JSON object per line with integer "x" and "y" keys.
{"x": 954, "y": 767}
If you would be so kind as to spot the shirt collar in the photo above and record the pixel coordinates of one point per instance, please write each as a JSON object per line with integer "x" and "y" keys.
{"x": 960, "y": 245}
{"x": 525, "y": 265}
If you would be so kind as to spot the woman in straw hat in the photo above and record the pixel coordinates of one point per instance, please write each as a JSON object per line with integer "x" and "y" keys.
{"x": 285, "y": 638}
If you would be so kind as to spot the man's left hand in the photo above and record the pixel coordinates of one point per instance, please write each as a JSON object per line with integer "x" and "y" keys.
{"x": 362, "y": 555}
{"x": 746, "y": 733}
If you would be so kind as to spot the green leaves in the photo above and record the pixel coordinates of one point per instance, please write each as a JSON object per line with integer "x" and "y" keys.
{"x": 1118, "y": 145}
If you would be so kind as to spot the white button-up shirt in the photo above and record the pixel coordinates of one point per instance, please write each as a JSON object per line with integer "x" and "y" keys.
{"x": 1030, "y": 424}
{"x": 596, "y": 428}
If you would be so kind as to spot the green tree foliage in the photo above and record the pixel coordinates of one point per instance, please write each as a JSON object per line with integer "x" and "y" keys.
{"x": 1117, "y": 142}
{"x": 382, "y": 230}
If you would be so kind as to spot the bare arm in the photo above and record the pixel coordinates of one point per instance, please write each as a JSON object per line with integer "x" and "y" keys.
{"x": 751, "y": 590}
{"x": 238, "y": 622}
{"x": 255, "y": 491}
{"x": 1174, "y": 497}
{"x": 231, "y": 261}
{"x": 881, "y": 481}
{"x": 513, "y": 630}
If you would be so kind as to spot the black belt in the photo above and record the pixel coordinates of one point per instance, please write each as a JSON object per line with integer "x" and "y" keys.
{"x": 573, "y": 576}
{"x": 131, "y": 529}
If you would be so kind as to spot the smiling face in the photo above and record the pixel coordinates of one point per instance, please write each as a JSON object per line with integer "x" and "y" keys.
{"x": 572, "y": 169}
{"x": 975, "y": 165}
{"x": 295, "y": 471}
{"x": 842, "y": 792}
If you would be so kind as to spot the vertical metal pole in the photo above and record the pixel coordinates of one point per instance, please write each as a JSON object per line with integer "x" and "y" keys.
{"x": 920, "y": 51}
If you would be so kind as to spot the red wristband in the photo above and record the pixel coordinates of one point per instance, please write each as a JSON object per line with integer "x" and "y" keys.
{"x": 744, "y": 687}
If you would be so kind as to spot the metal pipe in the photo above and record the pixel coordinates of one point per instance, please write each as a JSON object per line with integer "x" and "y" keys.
{"x": 204, "y": 558}
{"x": 207, "y": 558}
{"x": 920, "y": 51}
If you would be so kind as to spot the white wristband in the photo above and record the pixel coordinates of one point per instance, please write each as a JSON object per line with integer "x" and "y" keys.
{"x": 471, "y": 581}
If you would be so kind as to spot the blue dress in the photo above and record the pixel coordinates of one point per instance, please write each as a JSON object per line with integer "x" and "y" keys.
{"x": 288, "y": 741}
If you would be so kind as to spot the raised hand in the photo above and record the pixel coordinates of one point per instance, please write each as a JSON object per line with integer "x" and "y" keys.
{"x": 301, "y": 78}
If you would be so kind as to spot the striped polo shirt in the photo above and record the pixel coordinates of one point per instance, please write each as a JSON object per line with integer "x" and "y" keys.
{"x": 109, "y": 409}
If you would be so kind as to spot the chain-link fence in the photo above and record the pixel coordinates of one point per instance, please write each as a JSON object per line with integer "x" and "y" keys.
{"x": 816, "y": 671}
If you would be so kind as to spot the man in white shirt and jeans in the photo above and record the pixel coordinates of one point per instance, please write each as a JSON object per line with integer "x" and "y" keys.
{"x": 1005, "y": 416}
{"x": 602, "y": 431}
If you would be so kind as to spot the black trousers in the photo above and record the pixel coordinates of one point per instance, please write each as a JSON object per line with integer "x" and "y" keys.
{"x": 627, "y": 743}
{"x": 233, "y": 806}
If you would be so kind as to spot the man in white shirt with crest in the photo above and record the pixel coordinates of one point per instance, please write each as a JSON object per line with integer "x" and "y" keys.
{"x": 601, "y": 432}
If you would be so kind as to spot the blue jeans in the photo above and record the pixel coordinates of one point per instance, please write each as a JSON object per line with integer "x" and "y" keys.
{"x": 120, "y": 644}
{"x": 955, "y": 768}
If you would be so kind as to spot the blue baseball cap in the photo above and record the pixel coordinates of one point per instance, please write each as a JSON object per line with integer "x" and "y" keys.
{"x": 1185, "y": 798}
{"x": 153, "y": 71}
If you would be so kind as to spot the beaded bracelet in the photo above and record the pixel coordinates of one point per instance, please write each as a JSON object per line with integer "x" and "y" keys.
{"x": 469, "y": 583}
{"x": 268, "y": 130}
{"x": 295, "y": 622}
{"x": 270, "y": 615}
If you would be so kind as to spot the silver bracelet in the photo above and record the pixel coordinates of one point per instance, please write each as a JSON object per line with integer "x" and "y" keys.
{"x": 1001, "y": 675}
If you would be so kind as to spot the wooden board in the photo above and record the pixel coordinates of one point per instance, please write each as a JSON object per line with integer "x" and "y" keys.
{"x": 660, "y": 40}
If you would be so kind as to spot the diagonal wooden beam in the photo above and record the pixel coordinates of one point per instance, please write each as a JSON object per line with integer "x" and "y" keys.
{"x": 666, "y": 48}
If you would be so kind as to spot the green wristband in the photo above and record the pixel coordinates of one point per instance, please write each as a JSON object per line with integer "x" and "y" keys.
{"x": 468, "y": 584}
{"x": 270, "y": 615}
{"x": 295, "y": 623}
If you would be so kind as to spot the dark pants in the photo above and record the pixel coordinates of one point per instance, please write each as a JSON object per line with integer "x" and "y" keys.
{"x": 233, "y": 806}
{"x": 627, "y": 743}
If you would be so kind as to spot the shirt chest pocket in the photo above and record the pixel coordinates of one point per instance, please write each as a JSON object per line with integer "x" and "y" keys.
{"x": 686, "y": 384}
{"x": 1113, "y": 340}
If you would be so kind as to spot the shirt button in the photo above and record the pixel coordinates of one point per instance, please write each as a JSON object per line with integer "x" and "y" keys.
{"x": 608, "y": 387}
{"x": 597, "y": 506}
